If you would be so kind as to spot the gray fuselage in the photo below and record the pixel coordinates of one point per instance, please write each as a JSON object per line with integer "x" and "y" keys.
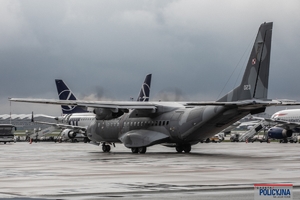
{"x": 181, "y": 125}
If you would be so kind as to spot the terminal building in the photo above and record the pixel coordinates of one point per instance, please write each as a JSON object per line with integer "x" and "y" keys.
{"x": 23, "y": 121}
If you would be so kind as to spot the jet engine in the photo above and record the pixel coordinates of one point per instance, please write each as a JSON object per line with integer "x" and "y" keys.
{"x": 107, "y": 114}
{"x": 68, "y": 134}
{"x": 279, "y": 133}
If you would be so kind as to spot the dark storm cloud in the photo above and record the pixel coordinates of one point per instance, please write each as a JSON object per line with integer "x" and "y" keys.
{"x": 192, "y": 46}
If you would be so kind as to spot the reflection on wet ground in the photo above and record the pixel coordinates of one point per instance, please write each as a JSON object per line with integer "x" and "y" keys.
{"x": 66, "y": 170}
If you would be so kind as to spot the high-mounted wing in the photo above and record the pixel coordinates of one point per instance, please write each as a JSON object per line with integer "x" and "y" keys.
{"x": 152, "y": 106}
{"x": 91, "y": 104}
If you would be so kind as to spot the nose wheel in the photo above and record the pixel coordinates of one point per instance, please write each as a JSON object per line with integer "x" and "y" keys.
{"x": 186, "y": 148}
{"x": 106, "y": 148}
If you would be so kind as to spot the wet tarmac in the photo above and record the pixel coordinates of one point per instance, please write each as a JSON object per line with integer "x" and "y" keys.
{"x": 82, "y": 171}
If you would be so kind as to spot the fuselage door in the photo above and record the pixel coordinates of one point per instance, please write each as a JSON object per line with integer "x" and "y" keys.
{"x": 174, "y": 124}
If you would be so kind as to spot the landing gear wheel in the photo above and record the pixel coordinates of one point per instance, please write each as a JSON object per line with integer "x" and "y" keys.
{"x": 85, "y": 140}
{"x": 187, "y": 148}
{"x": 142, "y": 150}
{"x": 134, "y": 150}
{"x": 105, "y": 148}
{"x": 179, "y": 149}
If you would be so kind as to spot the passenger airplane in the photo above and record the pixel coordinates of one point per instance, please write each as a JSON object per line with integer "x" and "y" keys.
{"x": 287, "y": 123}
{"x": 139, "y": 125}
{"x": 76, "y": 119}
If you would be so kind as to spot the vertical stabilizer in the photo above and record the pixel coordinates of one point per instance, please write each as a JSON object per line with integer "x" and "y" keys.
{"x": 145, "y": 90}
{"x": 64, "y": 93}
{"x": 255, "y": 81}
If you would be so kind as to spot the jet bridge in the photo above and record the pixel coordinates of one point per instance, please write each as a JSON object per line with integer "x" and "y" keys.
{"x": 254, "y": 130}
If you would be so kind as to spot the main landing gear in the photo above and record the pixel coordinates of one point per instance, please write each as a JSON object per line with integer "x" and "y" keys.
{"x": 186, "y": 148}
{"x": 141, "y": 150}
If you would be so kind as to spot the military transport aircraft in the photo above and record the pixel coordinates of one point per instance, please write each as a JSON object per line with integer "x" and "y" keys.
{"x": 139, "y": 125}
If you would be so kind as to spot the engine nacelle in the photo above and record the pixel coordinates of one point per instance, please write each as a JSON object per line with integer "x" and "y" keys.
{"x": 279, "y": 133}
{"x": 107, "y": 114}
{"x": 68, "y": 134}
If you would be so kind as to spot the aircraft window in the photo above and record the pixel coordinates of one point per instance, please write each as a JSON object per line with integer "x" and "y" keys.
{"x": 167, "y": 123}
{"x": 159, "y": 123}
{"x": 134, "y": 123}
{"x": 163, "y": 123}
{"x": 152, "y": 123}
{"x": 155, "y": 123}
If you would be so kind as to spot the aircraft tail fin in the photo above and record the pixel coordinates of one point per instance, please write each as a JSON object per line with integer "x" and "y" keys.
{"x": 64, "y": 93}
{"x": 255, "y": 81}
{"x": 145, "y": 90}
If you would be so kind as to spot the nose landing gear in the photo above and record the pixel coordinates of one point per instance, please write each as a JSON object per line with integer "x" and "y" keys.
{"x": 105, "y": 147}
{"x": 186, "y": 148}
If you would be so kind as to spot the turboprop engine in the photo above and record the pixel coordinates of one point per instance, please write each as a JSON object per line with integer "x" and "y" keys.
{"x": 68, "y": 134}
{"x": 279, "y": 133}
{"x": 107, "y": 114}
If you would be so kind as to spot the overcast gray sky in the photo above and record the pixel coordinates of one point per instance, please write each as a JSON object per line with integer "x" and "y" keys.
{"x": 104, "y": 49}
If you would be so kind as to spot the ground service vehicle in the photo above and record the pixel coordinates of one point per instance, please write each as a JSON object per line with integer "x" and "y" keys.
{"x": 7, "y": 133}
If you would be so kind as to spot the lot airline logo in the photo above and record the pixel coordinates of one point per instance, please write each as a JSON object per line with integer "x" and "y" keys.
{"x": 273, "y": 191}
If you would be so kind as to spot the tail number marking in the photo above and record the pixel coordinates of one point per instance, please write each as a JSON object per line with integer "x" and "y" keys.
{"x": 247, "y": 87}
